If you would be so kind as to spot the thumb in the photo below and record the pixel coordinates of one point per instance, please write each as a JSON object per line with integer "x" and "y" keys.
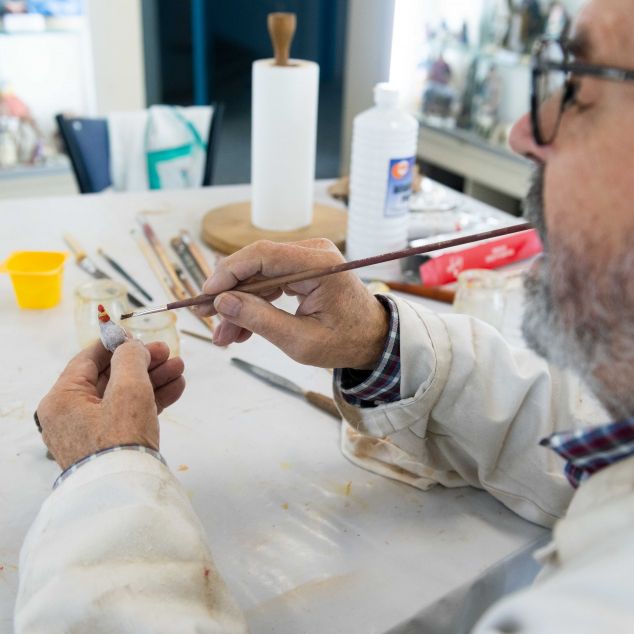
{"x": 291, "y": 333}
{"x": 129, "y": 369}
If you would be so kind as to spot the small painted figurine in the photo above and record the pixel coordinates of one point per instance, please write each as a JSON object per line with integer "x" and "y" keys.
{"x": 112, "y": 335}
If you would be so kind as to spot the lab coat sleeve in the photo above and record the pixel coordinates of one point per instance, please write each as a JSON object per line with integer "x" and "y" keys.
{"x": 472, "y": 412}
{"x": 117, "y": 547}
{"x": 585, "y": 586}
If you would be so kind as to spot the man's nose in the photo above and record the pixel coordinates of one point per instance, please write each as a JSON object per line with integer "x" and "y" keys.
{"x": 522, "y": 141}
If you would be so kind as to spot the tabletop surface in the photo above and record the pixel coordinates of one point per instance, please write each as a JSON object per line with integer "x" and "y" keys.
{"x": 307, "y": 541}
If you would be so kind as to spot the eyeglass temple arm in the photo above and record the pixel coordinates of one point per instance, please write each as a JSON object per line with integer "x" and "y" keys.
{"x": 579, "y": 68}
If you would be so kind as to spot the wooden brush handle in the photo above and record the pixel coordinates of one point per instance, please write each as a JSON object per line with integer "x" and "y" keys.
{"x": 281, "y": 29}
{"x": 196, "y": 253}
{"x": 430, "y": 292}
{"x": 277, "y": 282}
{"x": 75, "y": 247}
{"x": 323, "y": 402}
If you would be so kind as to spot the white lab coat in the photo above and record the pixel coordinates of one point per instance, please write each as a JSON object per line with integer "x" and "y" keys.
{"x": 117, "y": 546}
{"x": 472, "y": 411}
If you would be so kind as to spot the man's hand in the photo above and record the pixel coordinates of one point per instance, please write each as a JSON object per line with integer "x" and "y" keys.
{"x": 338, "y": 322}
{"x": 102, "y": 400}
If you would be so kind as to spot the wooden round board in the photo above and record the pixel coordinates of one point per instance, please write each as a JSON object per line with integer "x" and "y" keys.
{"x": 228, "y": 228}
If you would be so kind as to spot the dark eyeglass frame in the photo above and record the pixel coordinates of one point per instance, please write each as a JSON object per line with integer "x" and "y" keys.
{"x": 578, "y": 69}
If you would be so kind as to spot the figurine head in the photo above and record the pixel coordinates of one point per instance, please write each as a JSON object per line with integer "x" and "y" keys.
{"x": 103, "y": 315}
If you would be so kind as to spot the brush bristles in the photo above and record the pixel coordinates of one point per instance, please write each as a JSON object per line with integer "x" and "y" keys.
{"x": 147, "y": 311}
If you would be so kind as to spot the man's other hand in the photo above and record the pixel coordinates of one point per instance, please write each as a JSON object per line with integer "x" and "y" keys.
{"x": 338, "y": 323}
{"x": 102, "y": 400}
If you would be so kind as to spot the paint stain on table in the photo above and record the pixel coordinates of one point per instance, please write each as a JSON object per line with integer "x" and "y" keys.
{"x": 285, "y": 506}
{"x": 183, "y": 467}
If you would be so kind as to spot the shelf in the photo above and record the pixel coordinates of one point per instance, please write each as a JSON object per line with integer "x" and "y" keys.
{"x": 472, "y": 138}
{"x": 37, "y": 181}
{"x": 480, "y": 162}
{"x": 50, "y": 25}
{"x": 60, "y": 166}
{"x": 501, "y": 56}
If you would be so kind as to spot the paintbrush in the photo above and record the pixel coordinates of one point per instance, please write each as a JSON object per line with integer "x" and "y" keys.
{"x": 429, "y": 292}
{"x": 85, "y": 263}
{"x": 153, "y": 263}
{"x": 121, "y": 271}
{"x": 276, "y": 282}
{"x": 174, "y": 274}
{"x": 196, "y": 253}
{"x": 180, "y": 248}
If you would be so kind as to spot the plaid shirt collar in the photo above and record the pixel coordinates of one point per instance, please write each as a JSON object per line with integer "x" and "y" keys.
{"x": 589, "y": 450}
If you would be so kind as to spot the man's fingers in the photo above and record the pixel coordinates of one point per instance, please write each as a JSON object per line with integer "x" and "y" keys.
{"x": 227, "y": 333}
{"x": 270, "y": 259}
{"x": 166, "y": 372}
{"x": 159, "y": 353}
{"x": 243, "y": 335}
{"x": 296, "y": 336}
{"x": 129, "y": 369}
{"x": 208, "y": 310}
{"x": 204, "y": 310}
{"x": 169, "y": 393}
{"x": 88, "y": 364}
{"x": 97, "y": 354}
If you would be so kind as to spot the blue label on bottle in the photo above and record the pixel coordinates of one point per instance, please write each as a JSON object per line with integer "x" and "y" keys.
{"x": 399, "y": 187}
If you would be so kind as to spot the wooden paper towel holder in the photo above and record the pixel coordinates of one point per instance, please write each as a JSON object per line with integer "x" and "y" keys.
{"x": 281, "y": 30}
{"x": 228, "y": 228}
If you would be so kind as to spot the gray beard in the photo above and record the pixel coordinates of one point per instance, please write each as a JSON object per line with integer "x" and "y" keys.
{"x": 579, "y": 313}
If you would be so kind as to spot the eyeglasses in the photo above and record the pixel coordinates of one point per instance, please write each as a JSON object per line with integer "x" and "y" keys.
{"x": 555, "y": 84}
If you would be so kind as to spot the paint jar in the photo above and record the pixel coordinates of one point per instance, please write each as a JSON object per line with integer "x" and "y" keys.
{"x": 481, "y": 294}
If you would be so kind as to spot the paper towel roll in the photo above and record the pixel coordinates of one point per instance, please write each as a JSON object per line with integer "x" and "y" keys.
{"x": 283, "y": 141}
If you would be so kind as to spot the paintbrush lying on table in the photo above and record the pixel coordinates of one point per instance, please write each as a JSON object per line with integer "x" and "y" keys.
{"x": 275, "y": 282}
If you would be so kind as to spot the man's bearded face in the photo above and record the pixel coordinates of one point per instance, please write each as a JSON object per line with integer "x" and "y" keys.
{"x": 579, "y": 309}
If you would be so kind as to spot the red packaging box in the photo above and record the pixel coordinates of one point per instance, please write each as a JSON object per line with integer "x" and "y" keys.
{"x": 445, "y": 268}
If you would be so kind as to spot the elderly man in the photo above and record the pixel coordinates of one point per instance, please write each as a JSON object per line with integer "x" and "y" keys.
{"x": 117, "y": 547}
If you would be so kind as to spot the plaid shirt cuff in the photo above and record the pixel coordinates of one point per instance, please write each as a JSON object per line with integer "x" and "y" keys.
{"x": 80, "y": 463}
{"x": 383, "y": 384}
{"x": 591, "y": 449}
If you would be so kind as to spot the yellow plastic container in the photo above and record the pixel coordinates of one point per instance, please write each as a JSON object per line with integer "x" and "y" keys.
{"x": 36, "y": 277}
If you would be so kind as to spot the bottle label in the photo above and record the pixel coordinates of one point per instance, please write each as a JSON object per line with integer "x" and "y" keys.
{"x": 399, "y": 187}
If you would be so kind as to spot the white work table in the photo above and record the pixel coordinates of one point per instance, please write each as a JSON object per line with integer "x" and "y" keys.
{"x": 307, "y": 541}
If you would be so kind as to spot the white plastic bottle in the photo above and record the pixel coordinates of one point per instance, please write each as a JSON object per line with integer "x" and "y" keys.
{"x": 384, "y": 141}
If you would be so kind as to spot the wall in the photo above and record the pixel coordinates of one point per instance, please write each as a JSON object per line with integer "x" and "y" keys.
{"x": 368, "y": 44}
{"x": 49, "y": 72}
{"x": 116, "y": 37}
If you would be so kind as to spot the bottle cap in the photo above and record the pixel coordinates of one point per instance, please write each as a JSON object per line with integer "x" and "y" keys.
{"x": 385, "y": 94}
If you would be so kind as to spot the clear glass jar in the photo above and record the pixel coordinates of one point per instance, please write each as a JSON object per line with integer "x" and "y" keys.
{"x": 155, "y": 327}
{"x": 481, "y": 294}
{"x": 88, "y": 296}
{"x": 113, "y": 296}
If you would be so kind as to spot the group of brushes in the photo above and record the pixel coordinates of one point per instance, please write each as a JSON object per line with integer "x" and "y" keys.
{"x": 170, "y": 274}
{"x": 177, "y": 285}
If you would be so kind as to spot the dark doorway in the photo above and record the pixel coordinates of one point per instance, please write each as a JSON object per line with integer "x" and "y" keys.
{"x": 203, "y": 50}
